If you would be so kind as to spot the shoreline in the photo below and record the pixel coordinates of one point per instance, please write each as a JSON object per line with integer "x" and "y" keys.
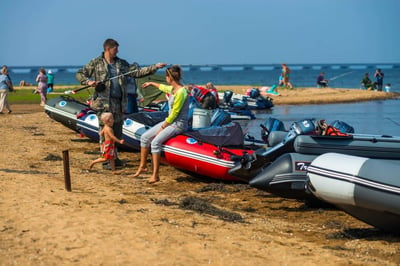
{"x": 296, "y": 96}
{"x": 314, "y": 95}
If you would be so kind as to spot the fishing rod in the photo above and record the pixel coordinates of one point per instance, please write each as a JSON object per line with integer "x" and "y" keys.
{"x": 99, "y": 86}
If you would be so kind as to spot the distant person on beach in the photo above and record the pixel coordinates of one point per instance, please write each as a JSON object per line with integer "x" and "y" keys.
{"x": 41, "y": 79}
{"x": 366, "y": 83}
{"x": 8, "y": 75}
{"x": 50, "y": 81}
{"x": 24, "y": 83}
{"x": 321, "y": 81}
{"x": 211, "y": 88}
{"x": 107, "y": 73}
{"x": 286, "y": 76}
{"x": 175, "y": 123}
{"x": 203, "y": 96}
{"x": 108, "y": 145}
{"x": 5, "y": 87}
{"x": 379, "y": 79}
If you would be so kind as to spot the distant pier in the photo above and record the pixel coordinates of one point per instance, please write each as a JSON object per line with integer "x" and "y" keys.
{"x": 225, "y": 67}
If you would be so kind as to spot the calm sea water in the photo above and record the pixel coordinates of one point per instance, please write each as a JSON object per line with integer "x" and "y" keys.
{"x": 340, "y": 76}
{"x": 375, "y": 117}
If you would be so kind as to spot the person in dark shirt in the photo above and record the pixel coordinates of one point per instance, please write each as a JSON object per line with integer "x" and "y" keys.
{"x": 321, "y": 81}
{"x": 379, "y": 79}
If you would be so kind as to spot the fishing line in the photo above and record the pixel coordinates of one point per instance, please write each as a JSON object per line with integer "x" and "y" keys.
{"x": 394, "y": 122}
{"x": 341, "y": 75}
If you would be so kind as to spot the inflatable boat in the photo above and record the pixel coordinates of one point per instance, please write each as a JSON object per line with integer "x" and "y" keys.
{"x": 368, "y": 189}
{"x": 253, "y": 102}
{"x": 287, "y": 175}
{"x": 207, "y": 152}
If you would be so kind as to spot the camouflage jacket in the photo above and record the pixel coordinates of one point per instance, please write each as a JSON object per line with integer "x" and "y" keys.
{"x": 97, "y": 70}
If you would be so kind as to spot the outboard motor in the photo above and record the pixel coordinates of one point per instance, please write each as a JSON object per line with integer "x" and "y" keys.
{"x": 254, "y": 93}
{"x": 228, "y": 96}
{"x": 220, "y": 117}
{"x": 272, "y": 124}
{"x": 253, "y": 164}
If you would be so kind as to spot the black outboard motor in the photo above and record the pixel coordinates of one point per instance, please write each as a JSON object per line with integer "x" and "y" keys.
{"x": 227, "y": 97}
{"x": 253, "y": 164}
{"x": 254, "y": 93}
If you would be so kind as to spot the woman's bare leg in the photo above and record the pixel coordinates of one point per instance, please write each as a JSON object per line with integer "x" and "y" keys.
{"x": 144, "y": 152}
{"x": 155, "y": 177}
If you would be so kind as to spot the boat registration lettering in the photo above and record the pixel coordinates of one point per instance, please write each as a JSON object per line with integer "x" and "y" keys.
{"x": 301, "y": 166}
{"x": 191, "y": 141}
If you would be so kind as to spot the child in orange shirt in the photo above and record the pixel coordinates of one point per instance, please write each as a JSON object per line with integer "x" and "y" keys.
{"x": 108, "y": 146}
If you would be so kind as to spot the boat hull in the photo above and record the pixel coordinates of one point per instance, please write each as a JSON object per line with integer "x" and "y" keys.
{"x": 286, "y": 176}
{"x": 182, "y": 152}
{"x": 200, "y": 158}
{"x": 134, "y": 126}
{"x": 65, "y": 110}
{"x": 382, "y": 147}
{"x": 368, "y": 189}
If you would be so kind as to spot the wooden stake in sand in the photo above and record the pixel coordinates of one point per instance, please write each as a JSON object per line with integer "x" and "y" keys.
{"x": 67, "y": 176}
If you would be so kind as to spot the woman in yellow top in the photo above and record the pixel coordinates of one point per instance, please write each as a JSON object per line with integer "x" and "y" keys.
{"x": 174, "y": 124}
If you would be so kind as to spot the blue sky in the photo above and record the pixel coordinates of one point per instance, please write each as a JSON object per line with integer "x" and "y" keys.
{"x": 71, "y": 32}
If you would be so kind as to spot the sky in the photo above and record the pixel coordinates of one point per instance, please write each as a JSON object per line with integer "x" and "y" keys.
{"x": 72, "y": 32}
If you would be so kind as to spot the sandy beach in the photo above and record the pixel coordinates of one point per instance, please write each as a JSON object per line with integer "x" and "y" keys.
{"x": 120, "y": 220}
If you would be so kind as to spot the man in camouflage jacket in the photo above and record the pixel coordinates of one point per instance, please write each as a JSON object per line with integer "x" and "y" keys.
{"x": 110, "y": 94}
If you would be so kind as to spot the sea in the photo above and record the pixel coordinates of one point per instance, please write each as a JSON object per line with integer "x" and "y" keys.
{"x": 374, "y": 117}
